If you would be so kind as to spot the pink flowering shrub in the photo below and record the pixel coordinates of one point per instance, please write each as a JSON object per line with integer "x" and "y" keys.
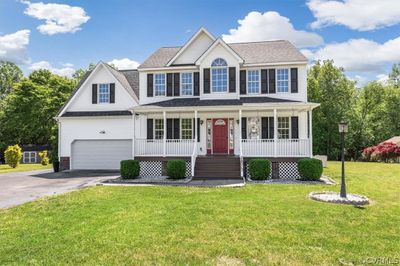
{"x": 386, "y": 151}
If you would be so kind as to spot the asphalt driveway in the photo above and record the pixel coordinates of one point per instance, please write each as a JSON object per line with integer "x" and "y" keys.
{"x": 21, "y": 187}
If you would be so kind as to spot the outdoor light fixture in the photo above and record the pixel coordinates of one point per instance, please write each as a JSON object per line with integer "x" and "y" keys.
{"x": 201, "y": 122}
{"x": 102, "y": 132}
{"x": 343, "y": 128}
{"x": 237, "y": 121}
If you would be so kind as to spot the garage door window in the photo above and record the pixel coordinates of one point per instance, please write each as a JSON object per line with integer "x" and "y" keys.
{"x": 29, "y": 157}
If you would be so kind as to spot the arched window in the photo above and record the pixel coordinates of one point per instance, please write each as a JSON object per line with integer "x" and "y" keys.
{"x": 219, "y": 75}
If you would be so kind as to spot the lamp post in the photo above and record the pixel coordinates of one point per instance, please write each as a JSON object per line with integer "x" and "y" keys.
{"x": 343, "y": 128}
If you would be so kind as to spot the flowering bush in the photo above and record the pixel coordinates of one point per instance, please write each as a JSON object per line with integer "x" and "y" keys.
{"x": 385, "y": 152}
{"x": 13, "y": 155}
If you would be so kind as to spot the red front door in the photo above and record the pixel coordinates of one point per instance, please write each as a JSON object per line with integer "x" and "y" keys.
{"x": 220, "y": 135}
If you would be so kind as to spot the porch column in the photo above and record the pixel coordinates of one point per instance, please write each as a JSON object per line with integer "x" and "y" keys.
{"x": 195, "y": 126}
{"x": 165, "y": 134}
{"x": 240, "y": 134}
{"x": 133, "y": 134}
{"x": 310, "y": 137}
{"x": 275, "y": 134}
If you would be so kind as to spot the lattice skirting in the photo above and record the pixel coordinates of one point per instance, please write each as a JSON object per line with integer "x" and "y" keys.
{"x": 158, "y": 168}
{"x": 286, "y": 170}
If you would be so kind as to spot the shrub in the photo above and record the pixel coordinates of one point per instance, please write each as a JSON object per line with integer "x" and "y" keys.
{"x": 259, "y": 169}
{"x": 310, "y": 168}
{"x": 176, "y": 169}
{"x": 44, "y": 158}
{"x": 13, "y": 155}
{"x": 130, "y": 169}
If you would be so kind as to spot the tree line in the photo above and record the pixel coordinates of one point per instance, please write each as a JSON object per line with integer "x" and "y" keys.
{"x": 29, "y": 104}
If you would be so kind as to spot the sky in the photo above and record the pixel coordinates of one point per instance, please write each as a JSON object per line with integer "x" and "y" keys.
{"x": 362, "y": 36}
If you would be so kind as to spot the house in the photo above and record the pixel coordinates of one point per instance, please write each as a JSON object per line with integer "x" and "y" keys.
{"x": 214, "y": 105}
{"x": 30, "y": 152}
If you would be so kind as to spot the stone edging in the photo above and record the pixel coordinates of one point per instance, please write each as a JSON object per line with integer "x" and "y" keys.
{"x": 149, "y": 180}
{"x": 334, "y": 197}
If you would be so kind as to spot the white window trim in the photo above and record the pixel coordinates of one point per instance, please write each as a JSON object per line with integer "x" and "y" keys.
{"x": 290, "y": 127}
{"x": 154, "y": 128}
{"x": 98, "y": 93}
{"x": 259, "y": 82}
{"x": 30, "y": 153}
{"x": 181, "y": 128}
{"x": 276, "y": 81}
{"x": 165, "y": 84}
{"x": 180, "y": 84}
{"x": 227, "y": 77}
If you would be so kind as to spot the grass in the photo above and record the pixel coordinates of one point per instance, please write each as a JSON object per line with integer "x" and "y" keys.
{"x": 5, "y": 168}
{"x": 254, "y": 225}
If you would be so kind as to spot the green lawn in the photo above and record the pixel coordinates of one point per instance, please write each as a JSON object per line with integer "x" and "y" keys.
{"x": 256, "y": 224}
{"x": 5, "y": 168}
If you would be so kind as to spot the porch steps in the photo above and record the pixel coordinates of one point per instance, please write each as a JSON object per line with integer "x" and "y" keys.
{"x": 217, "y": 168}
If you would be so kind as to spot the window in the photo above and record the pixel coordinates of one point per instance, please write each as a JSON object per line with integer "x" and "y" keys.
{"x": 253, "y": 128}
{"x": 186, "y": 128}
{"x": 104, "y": 93}
{"x": 231, "y": 134}
{"x": 282, "y": 80}
{"x": 29, "y": 157}
{"x": 209, "y": 134}
{"x": 253, "y": 81}
{"x": 158, "y": 128}
{"x": 283, "y": 127}
{"x": 186, "y": 84}
{"x": 159, "y": 85}
{"x": 219, "y": 75}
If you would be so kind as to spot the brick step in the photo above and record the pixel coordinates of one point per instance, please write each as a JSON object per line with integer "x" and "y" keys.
{"x": 216, "y": 178}
{"x": 218, "y": 169}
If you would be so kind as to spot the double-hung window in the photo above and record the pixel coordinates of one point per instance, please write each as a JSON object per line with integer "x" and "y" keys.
{"x": 158, "y": 128}
{"x": 159, "y": 84}
{"x": 186, "y": 128}
{"x": 282, "y": 80}
{"x": 186, "y": 84}
{"x": 29, "y": 157}
{"x": 253, "y": 128}
{"x": 104, "y": 93}
{"x": 253, "y": 81}
{"x": 219, "y": 75}
{"x": 283, "y": 127}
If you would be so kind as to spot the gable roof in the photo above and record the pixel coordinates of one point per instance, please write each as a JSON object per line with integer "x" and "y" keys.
{"x": 280, "y": 51}
{"x": 129, "y": 79}
{"x": 190, "y": 41}
{"x": 223, "y": 44}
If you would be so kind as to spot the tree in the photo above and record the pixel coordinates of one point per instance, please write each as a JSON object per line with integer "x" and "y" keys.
{"x": 329, "y": 86}
{"x": 394, "y": 76}
{"x": 79, "y": 73}
{"x": 10, "y": 74}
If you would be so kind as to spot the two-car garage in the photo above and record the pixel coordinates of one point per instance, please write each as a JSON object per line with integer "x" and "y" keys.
{"x": 99, "y": 154}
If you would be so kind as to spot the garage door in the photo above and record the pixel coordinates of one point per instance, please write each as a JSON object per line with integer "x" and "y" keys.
{"x": 100, "y": 154}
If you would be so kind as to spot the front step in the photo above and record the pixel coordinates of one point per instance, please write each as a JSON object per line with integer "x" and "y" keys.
{"x": 217, "y": 167}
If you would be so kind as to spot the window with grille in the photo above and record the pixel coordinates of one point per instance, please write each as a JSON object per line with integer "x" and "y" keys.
{"x": 282, "y": 80}
{"x": 186, "y": 84}
{"x": 104, "y": 93}
{"x": 253, "y": 81}
{"x": 158, "y": 128}
{"x": 186, "y": 128}
{"x": 283, "y": 127}
{"x": 159, "y": 85}
{"x": 219, "y": 75}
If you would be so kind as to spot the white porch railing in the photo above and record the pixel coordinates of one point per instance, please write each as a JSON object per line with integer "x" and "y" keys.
{"x": 155, "y": 147}
{"x": 284, "y": 147}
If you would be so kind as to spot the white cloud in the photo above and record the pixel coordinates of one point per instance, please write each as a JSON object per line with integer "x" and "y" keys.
{"x": 362, "y": 15}
{"x": 124, "y": 63}
{"x": 270, "y": 26}
{"x": 13, "y": 47}
{"x": 359, "y": 54}
{"x": 66, "y": 70}
{"x": 59, "y": 18}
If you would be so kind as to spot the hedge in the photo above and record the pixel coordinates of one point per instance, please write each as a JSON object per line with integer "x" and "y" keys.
{"x": 176, "y": 169}
{"x": 130, "y": 169}
{"x": 260, "y": 169}
{"x": 310, "y": 168}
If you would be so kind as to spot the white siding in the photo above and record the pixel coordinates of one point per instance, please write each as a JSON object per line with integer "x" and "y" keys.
{"x": 195, "y": 49}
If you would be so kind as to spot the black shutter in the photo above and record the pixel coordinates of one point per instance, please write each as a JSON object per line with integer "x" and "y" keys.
{"x": 176, "y": 128}
{"x": 149, "y": 85}
{"x": 149, "y": 128}
{"x": 169, "y": 128}
{"x": 198, "y": 129}
{"x": 112, "y": 92}
{"x": 293, "y": 80}
{"x": 264, "y": 81}
{"x": 244, "y": 128}
{"x": 271, "y": 83}
{"x": 295, "y": 127}
{"x": 232, "y": 79}
{"x": 206, "y": 80}
{"x": 271, "y": 127}
{"x": 94, "y": 93}
{"x": 196, "y": 83}
{"x": 264, "y": 127}
{"x": 242, "y": 81}
{"x": 176, "y": 84}
{"x": 169, "y": 84}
